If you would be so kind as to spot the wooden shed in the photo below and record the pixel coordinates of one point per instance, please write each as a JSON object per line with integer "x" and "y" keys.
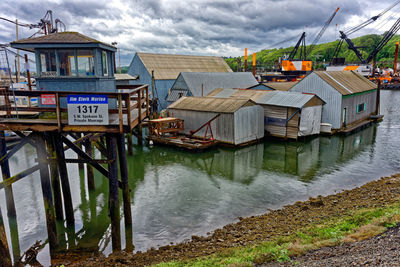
{"x": 291, "y": 115}
{"x": 286, "y": 114}
{"x": 240, "y": 120}
{"x": 350, "y": 97}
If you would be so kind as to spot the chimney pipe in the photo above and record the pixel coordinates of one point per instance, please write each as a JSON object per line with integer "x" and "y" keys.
{"x": 254, "y": 64}
{"x": 245, "y": 59}
{"x": 396, "y": 54}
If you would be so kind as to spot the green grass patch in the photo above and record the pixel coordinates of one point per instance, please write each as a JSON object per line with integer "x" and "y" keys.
{"x": 359, "y": 224}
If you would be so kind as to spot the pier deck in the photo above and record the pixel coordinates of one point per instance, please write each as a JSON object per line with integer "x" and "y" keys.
{"x": 132, "y": 106}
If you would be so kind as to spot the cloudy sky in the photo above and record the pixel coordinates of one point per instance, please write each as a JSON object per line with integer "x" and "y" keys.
{"x": 200, "y": 27}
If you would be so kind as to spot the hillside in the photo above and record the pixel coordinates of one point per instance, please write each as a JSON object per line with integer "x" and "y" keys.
{"x": 324, "y": 51}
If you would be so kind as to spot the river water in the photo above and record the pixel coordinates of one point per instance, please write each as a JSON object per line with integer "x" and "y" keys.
{"x": 177, "y": 194}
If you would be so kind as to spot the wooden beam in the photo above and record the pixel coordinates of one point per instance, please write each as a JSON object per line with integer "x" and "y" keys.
{"x": 5, "y": 257}
{"x": 17, "y": 147}
{"x": 78, "y": 151}
{"x": 66, "y": 190}
{"x": 123, "y": 167}
{"x": 47, "y": 193}
{"x": 113, "y": 197}
{"x": 18, "y": 176}
{"x": 5, "y": 170}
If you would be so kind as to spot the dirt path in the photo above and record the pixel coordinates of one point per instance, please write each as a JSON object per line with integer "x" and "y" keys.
{"x": 381, "y": 250}
{"x": 254, "y": 229}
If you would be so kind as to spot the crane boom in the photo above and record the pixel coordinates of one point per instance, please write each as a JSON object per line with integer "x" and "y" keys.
{"x": 321, "y": 32}
{"x": 389, "y": 34}
{"x": 301, "y": 42}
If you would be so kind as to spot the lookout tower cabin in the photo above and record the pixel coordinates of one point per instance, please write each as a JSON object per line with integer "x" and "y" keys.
{"x": 70, "y": 61}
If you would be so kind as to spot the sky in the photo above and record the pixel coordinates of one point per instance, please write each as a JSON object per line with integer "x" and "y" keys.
{"x": 197, "y": 27}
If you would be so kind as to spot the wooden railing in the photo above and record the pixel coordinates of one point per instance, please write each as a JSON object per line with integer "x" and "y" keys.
{"x": 128, "y": 98}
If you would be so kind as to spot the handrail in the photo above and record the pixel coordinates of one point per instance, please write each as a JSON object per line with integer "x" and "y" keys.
{"x": 127, "y": 100}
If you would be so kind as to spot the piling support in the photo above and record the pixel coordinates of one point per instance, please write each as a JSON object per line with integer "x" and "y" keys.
{"x": 5, "y": 169}
{"x": 5, "y": 257}
{"x": 123, "y": 167}
{"x": 113, "y": 201}
{"x": 46, "y": 190}
{"x": 62, "y": 168}
{"x": 55, "y": 181}
{"x": 80, "y": 165}
{"x": 130, "y": 147}
{"x": 89, "y": 168}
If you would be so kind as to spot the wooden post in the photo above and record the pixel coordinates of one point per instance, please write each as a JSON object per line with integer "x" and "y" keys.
{"x": 5, "y": 169}
{"x": 89, "y": 168}
{"x": 130, "y": 146}
{"x": 5, "y": 257}
{"x": 123, "y": 167}
{"x": 47, "y": 192}
{"x": 139, "y": 101}
{"x": 113, "y": 200}
{"x": 62, "y": 168}
{"x": 80, "y": 165}
{"x": 55, "y": 182}
{"x": 147, "y": 102}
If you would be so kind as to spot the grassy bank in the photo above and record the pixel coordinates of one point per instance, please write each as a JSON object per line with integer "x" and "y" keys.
{"x": 358, "y": 225}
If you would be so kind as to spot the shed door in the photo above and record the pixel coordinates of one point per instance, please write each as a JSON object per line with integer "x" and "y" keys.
{"x": 344, "y": 114}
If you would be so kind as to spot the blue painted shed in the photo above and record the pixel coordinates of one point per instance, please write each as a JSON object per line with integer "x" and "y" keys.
{"x": 70, "y": 61}
{"x": 203, "y": 83}
{"x": 166, "y": 69}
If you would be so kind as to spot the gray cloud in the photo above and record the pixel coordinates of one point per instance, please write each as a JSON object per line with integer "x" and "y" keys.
{"x": 208, "y": 27}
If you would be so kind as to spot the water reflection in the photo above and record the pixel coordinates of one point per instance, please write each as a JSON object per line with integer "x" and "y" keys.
{"x": 177, "y": 194}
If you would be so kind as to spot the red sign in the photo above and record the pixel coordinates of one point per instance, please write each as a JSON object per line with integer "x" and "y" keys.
{"x": 48, "y": 99}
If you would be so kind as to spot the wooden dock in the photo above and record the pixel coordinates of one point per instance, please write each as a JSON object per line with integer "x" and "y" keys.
{"x": 51, "y": 134}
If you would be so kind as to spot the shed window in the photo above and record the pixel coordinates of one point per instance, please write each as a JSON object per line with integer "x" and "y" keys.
{"x": 85, "y": 63}
{"x": 104, "y": 62}
{"x": 67, "y": 62}
{"x": 361, "y": 107}
{"x": 48, "y": 64}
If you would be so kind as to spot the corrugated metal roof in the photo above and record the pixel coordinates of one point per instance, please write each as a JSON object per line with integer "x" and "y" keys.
{"x": 285, "y": 99}
{"x": 168, "y": 67}
{"x": 175, "y": 94}
{"x": 61, "y": 37}
{"x": 210, "y": 104}
{"x": 213, "y": 80}
{"x": 125, "y": 76}
{"x": 281, "y": 86}
{"x": 346, "y": 82}
{"x": 235, "y": 93}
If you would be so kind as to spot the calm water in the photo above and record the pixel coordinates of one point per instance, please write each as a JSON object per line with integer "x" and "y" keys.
{"x": 177, "y": 194}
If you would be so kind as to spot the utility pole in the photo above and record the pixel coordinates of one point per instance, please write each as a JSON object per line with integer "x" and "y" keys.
{"x": 17, "y": 68}
{"x": 119, "y": 59}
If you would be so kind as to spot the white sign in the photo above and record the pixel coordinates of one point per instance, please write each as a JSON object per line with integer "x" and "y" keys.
{"x": 87, "y": 109}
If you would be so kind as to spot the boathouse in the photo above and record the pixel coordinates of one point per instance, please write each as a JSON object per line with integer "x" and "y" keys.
{"x": 286, "y": 114}
{"x": 70, "y": 61}
{"x": 291, "y": 115}
{"x": 166, "y": 68}
{"x": 240, "y": 120}
{"x": 202, "y": 83}
{"x": 350, "y": 97}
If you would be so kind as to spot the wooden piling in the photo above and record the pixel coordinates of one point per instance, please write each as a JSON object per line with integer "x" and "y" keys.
{"x": 123, "y": 167}
{"x": 62, "y": 168}
{"x": 55, "y": 181}
{"x": 5, "y": 169}
{"x": 5, "y": 257}
{"x": 89, "y": 167}
{"x": 130, "y": 146}
{"x": 113, "y": 201}
{"x": 80, "y": 165}
{"x": 46, "y": 190}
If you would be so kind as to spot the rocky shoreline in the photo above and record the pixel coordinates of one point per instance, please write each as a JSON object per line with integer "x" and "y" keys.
{"x": 256, "y": 229}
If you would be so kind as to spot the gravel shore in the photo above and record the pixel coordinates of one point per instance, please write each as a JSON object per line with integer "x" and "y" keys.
{"x": 381, "y": 250}
{"x": 275, "y": 223}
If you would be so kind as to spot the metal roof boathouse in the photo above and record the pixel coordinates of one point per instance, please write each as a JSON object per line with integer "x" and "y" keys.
{"x": 350, "y": 98}
{"x": 240, "y": 121}
{"x": 202, "y": 83}
{"x": 166, "y": 69}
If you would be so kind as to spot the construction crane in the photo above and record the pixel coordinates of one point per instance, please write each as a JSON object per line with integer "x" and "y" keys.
{"x": 364, "y": 68}
{"x": 302, "y": 65}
